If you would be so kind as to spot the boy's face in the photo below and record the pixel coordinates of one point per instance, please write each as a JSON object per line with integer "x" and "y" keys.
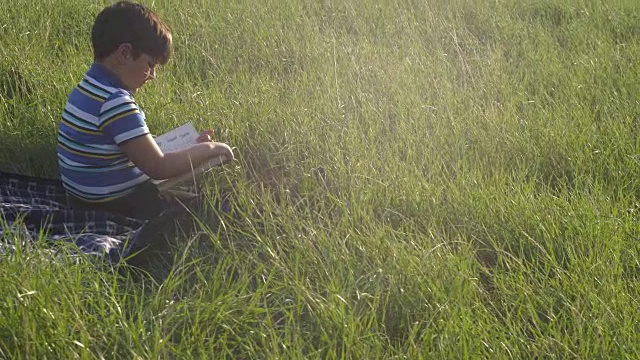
{"x": 136, "y": 72}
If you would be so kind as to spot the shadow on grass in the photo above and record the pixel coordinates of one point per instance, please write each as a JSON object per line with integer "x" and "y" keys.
{"x": 28, "y": 157}
{"x": 28, "y": 140}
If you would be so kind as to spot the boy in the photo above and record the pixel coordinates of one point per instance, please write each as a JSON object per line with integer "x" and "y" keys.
{"x": 105, "y": 151}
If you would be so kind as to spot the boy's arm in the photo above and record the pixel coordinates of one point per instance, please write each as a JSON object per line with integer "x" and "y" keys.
{"x": 146, "y": 155}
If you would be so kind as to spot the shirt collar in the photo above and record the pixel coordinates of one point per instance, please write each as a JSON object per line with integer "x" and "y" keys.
{"x": 100, "y": 72}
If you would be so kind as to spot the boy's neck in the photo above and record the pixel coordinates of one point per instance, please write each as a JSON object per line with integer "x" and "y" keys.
{"x": 113, "y": 68}
{"x": 110, "y": 65}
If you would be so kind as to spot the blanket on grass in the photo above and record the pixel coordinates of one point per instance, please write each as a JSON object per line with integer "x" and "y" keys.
{"x": 34, "y": 208}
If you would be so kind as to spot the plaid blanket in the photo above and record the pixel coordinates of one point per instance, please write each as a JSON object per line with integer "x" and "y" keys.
{"x": 34, "y": 208}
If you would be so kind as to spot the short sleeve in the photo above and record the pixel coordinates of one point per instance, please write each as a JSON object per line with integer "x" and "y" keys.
{"x": 121, "y": 119}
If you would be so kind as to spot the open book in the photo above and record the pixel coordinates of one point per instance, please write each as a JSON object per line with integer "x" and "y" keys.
{"x": 177, "y": 139}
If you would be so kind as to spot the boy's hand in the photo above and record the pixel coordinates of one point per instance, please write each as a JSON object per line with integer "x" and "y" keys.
{"x": 205, "y": 136}
{"x": 222, "y": 149}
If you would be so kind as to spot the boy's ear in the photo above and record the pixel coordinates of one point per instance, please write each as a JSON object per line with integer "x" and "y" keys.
{"x": 123, "y": 51}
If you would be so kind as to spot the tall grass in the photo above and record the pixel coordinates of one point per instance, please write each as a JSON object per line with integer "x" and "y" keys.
{"x": 418, "y": 179}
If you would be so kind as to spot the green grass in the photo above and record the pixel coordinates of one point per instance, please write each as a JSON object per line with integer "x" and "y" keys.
{"x": 481, "y": 192}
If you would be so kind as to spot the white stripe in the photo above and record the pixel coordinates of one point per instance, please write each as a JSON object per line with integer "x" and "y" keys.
{"x": 83, "y": 165}
{"x": 78, "y": 123}
{"x": 63, "y": 164}
{"x": 95, "y": 82}
{"x": 69, "y": 161}
{"x": 115, "y": 102}
{"x": 62, "y": 161}
{"x": 131, "y": 134}
{"x": 113, "y": 112}
{"x": 106, "y": 190}
{"x": 112, "y": 148}
{"x": 81, "y": 114}
{"x": 87, "y": 86}
{"x": 90, "y": 148}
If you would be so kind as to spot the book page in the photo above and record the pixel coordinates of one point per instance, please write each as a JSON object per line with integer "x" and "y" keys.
{"x": 177, "y": 139}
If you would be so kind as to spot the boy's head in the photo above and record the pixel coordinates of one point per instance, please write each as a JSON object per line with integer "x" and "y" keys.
{"x": 130, "y": 40}
{"x": 134, "y": 24}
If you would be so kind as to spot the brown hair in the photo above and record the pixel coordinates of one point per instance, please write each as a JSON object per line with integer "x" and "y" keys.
{"x": 126, "y": 22}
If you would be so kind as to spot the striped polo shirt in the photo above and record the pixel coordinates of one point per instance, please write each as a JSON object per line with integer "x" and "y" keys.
{"x": 99, "y": 116}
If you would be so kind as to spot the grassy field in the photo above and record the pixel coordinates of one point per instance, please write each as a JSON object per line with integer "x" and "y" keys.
{"x": 436, "y": 179}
